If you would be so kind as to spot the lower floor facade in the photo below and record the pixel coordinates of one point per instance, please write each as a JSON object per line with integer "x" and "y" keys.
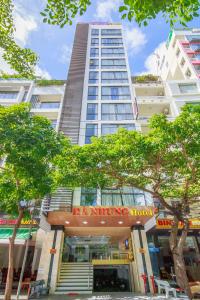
{"x": 93, "y": 255}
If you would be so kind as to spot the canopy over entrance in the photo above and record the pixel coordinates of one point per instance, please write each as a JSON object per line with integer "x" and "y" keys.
{"x": 22, "y": 233}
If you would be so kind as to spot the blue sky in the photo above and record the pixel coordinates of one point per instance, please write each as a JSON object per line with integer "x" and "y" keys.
{"x": 53, "y": 44}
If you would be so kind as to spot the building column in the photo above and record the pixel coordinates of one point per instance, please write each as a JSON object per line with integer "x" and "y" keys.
{"x": 19, "y": 255}
{"x": 142, "y": 262}
{"x": 50, "y": 257}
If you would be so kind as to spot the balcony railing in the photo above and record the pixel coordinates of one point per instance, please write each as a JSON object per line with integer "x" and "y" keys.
{"x": 61, "y": 200}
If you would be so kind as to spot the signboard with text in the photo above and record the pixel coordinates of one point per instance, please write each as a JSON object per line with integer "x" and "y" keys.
{"x": 14, "y": 221}
{"x": 112, "y": 211}
{"x": 167, "y": 224}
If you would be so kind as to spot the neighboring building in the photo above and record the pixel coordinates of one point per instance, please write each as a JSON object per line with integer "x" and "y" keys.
{"x": 46, "y": 101}
{"x": 181, "y": 58}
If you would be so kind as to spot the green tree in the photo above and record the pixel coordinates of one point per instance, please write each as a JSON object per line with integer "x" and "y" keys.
{"x": 22, "y": 60}
{"x": 28, "y": 147}
{"x": 61, "y": 12}
{"x": 165, "y": 163}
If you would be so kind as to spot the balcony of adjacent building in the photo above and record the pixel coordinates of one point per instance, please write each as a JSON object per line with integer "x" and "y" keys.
{"x": 46, "y": 105}
{"x": 147, "y": 110}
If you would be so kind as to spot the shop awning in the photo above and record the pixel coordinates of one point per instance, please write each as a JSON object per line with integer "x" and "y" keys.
{"x": 22, "y": 233}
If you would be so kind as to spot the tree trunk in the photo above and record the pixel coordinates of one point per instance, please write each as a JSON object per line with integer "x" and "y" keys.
{"x": 9, "y": 279}
{"x": 176, "y": 246}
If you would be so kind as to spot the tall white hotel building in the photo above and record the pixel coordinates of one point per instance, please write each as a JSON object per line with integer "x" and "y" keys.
{"x": 109, "y": 240}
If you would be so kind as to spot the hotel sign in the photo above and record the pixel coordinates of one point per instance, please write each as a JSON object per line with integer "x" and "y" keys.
{"x": 112, "y": 211}
{"x": 167, "y": 224}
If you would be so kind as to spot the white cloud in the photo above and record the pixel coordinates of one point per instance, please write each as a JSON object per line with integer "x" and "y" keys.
{"x": 135, "y": 39}
{"x": 105, "y": 9}
{"x": 151, "y": 63}
{"x": 42, "y": 73}
{"x": 4, "y": 67}
{"x": 65, "y": 54}
{"x": 24, "y": 24}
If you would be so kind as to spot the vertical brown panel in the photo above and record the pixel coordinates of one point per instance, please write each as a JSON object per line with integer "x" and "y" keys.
{"x": 71, "y": 110}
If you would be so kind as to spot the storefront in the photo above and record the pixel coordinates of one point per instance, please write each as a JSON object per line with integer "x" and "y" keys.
{"x": 97, "y": 249}
{"x": 23, "y": 234}
{"x": 161, "y": 257}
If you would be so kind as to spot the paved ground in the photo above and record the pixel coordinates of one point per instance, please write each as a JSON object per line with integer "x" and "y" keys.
{"x": 111, "y": 296}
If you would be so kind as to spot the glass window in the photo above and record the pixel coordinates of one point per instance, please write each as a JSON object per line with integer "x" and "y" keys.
{"x": 193, "y": 38}
{"x": 91, "y": 130}
{"x": 88, "y": 197}
{"x": 94, "y": 52}
{"x": 95, "y": 31}
{"x": 92, "y": 111}
{"x": 197, "y": 68}
{"x": 92, "y": 92}
{"x": 111, "y": 32}
{"x": 93, "y": 77}
{"x": 114, "y": 77}
{"x": 94, "y": 41}
{"x": 112, "y": 52}
{"x": 186, "y": 88}
{"x": 111, "y": 42}
{"x": 94, "y": 63}
{"x": 8, "y": 95}
{"x": 113, "y": 63}
{"x": 49, "y": 105}
{"x": 115, "y": 93}
{"x": 53, "y": 123}
{"x": 126, "y": 196}
{"x": 116, "y": 112}
{"x": 195, "y": 47}
{"x": 112, "y": 128}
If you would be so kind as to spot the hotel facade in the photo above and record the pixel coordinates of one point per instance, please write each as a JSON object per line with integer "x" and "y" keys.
{"x": 92, "y": 240}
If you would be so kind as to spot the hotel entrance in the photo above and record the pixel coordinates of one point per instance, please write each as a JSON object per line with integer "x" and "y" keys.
{"x": 101, "y": 263}
{"x": 93, "y": 248}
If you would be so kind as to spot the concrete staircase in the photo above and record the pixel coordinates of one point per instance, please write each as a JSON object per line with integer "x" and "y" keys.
{"x": 75, "y": 278}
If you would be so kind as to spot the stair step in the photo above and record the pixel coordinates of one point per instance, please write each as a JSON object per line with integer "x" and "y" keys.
{"x": 82, "y": 288}
{"x": 74, "y": 284}
{"x": 72, "y": 292}
{"x": 63, "y": 280}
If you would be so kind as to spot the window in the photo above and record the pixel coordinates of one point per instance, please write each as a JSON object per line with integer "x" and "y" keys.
{"x": 94, "y": 63}
{"x": 112, "y": 52}
{"x": 115, "y": 93}
{"x": 111, "y": 42}
{"x": 94, "y": 52}
{"x": 92, "y": 111}
{"x": 182, "y": 62}
{"x": 193, "y": 38}
{"x": 113, "y": 63}
{"x": 195, "y": 47}
{"x": 116, "y": 112}
{"x": 188, "y": 73}
{"x": 125, "y": 196}
{"x": 93, "y": 77}
{"x": 111, "y": 32}
{"x": 112, "y": 128}
{"x": 88, "y": 197}
{"x": 49, "y": 105}
{"x": 94, "y": 41}
{"x": 95, "y": 31}
{"x": 8, "y": 95}
{"x": 92, "y": 92}
{"x": 91, "y": 130}
{"x": 197, "y": 68}
{"x": 187, "y": 88}
{"x": 53, "y": 123}
{"x": 178, "y": 52}
{"x": 114, "y": 77}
